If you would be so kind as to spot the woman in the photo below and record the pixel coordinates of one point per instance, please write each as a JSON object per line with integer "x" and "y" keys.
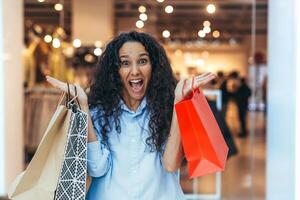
{"x": 134, "y": 146}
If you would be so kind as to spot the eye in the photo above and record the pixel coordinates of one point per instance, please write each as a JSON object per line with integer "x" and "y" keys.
{"x": 143, "y": 61}
{"x": 125, "y": 63}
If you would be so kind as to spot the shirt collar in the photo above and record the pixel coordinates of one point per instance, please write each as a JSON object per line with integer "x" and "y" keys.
{"x": 139, "y": 110}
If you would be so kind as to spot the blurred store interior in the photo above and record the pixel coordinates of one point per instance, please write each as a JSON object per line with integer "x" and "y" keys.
{"x": 250, "y": 44}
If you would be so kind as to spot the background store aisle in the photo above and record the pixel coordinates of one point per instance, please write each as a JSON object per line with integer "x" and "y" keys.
{"x": 244, "y": 177}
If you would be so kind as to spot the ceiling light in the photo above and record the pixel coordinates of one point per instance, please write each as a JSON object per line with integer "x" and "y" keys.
{"x": 58, "y": 7}
{"x": 201, "y": 33}
{"x": 41, "y": 1}
{"x": 56, "y": 43}
{"x": 98, "y": 52}
{"x": 38, "y": 28}
{"x": 142, "y": 9}
{"x": 206, "y": 23}
{"x": 48, "y": 38}
{"x": 143, "y": 17}
{"x": 89, "y": 58}
{"x": 207, "y": 29}
{"x": 76, "y": 43}
{"x": 60, "y": 31}
{"x": 160, "y": 1}
{"x": 68, "y": 51}
{"x": 169, "y": 9}
{"x": 216, "y": 34}
{"x": 211, "y": 8}
{"x": 139, "y": 24}
{"x": 166, "y": 34}
{"x": 98, "y": 44}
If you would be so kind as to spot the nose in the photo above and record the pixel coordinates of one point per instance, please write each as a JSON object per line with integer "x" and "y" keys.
{"x": 135, "y": 70}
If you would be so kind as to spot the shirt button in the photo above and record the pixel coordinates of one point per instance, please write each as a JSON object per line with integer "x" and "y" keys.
{"x": 133, "y": 140}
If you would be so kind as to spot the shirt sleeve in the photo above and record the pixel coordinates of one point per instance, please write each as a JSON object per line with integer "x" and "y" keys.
{"x": 98, "y": 156}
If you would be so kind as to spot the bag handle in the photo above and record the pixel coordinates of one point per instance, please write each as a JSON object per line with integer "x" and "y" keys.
{"x": 67, "y": 97}
{"x": 75, "y": 98}
{"x": 184, "y": 84}
{"x": 68, "y": 93}
{"x": 61, "y": 98}
{"x": 182, "y": 91}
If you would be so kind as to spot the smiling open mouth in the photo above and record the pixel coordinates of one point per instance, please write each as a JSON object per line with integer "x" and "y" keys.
{"x": 136, "y": 84}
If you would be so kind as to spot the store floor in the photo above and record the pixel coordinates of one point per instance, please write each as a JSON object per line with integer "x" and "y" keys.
{"x": 244, "y": 176}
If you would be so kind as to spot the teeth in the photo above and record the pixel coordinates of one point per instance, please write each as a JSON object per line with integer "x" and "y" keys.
{"x": 135, "y": 81}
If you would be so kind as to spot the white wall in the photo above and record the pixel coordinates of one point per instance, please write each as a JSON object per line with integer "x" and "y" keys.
{"x": 11, "y": 92}
{"x": 283, "y": 90}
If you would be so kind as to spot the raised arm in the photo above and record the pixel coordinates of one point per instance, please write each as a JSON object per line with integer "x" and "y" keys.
{"x": 98, "y": 158}
{"x": 173, "y": 153}
{"x": 82, "y": 98}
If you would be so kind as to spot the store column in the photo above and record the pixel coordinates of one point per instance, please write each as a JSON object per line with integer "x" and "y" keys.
{"x": 93, "y": 20}
{"x": 11, "y": 92}
{"x": 283, "y": 140}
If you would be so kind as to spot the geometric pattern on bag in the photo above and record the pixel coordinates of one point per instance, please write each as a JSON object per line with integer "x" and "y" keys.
{"x": 72, "y": 181}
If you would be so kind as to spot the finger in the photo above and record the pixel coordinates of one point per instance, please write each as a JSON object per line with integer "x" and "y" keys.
{"x": 204, "y": 76}
{"x": 207, "y": 76}
{"x": 204, "y": 81}
{"x": 61, "y": 85}
{"x": 57, "y": 84}
{"x": 197, "y": 78}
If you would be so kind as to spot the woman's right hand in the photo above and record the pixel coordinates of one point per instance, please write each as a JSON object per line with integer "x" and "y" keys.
{"x": 82, "y": 97}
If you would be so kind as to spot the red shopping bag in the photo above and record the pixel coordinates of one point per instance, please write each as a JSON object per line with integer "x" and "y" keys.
{"x": 203, "y": 143}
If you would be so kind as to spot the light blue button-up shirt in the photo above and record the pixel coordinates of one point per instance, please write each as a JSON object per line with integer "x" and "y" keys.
{"x": 128, "y": 170}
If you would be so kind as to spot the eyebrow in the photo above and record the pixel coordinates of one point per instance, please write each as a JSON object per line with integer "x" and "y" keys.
{"x": 144, "y": 54}
{"x": 141, "y": 54}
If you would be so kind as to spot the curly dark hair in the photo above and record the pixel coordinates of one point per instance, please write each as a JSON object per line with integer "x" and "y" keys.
{"x": 106, "y": 89}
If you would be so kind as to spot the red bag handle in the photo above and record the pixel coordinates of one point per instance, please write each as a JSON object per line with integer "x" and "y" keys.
{"x": 184, "y": 83}
{"x": 193, "y": 84}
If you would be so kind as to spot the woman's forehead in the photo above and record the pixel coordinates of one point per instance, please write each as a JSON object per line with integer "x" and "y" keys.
{"x": 132, "y": 49}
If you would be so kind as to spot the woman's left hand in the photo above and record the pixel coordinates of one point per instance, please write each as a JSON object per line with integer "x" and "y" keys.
{"x": 199, "y": 81}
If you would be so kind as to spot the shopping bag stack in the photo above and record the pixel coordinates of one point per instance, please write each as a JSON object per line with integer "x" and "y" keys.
{"x": 58, "y": 169}
{"x": 203, "y": 143}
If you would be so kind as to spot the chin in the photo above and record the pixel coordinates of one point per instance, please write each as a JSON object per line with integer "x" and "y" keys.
{"x": 137, "y": 97}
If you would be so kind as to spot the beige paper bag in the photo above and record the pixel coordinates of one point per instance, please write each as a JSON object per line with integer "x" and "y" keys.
{"x": 39, "y": 180}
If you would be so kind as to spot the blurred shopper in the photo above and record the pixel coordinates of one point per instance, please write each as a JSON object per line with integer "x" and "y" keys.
{"x": 242, "y": 96}
{"x": 220, "y": 79}
{"x": 265, "y": 99}
{"x": 134, "y": 149}
{"x": 224, "y": 129}
{"x": 225, "y": 97}
{"x": 228, "y": 88}
{"x": 265, "y": 94}
{"x": 35, "y": 60}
